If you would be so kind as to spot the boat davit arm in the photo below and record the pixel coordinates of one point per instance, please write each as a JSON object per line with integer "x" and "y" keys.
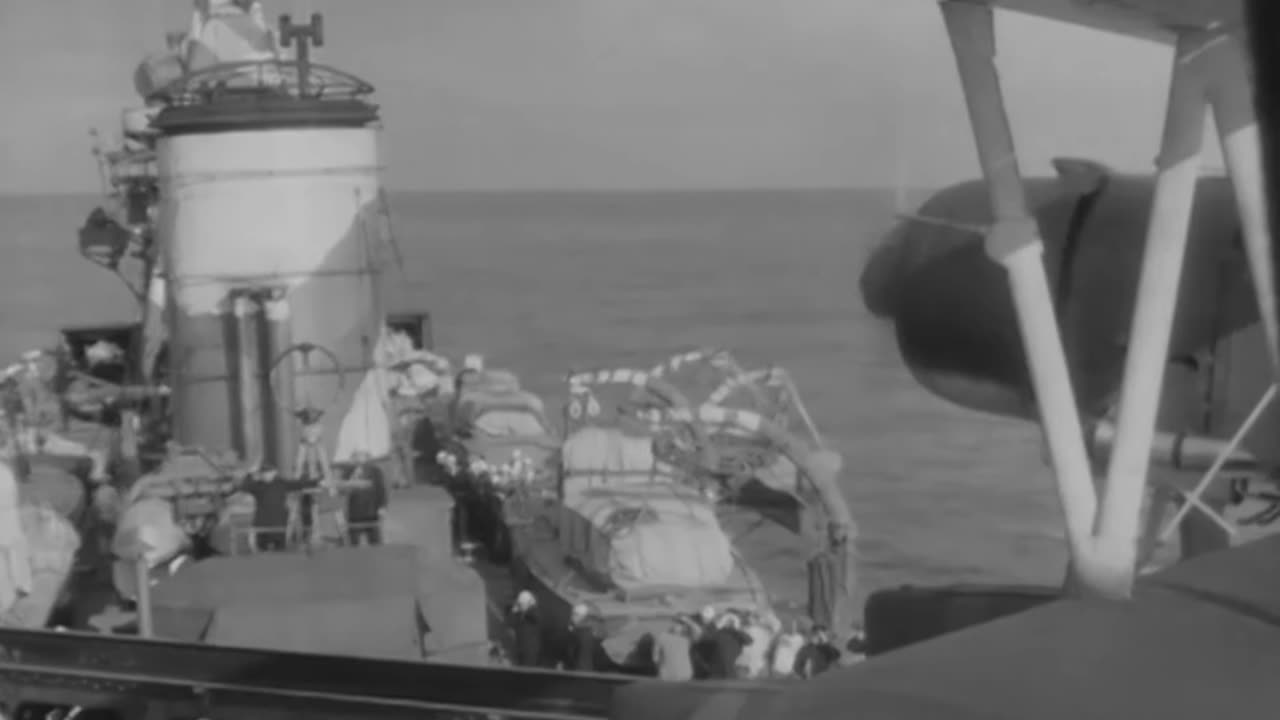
{"x": 1209, "y": 70}
{"x": 107, "y": 670}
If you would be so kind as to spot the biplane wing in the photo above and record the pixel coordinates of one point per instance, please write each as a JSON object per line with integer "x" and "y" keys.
{"x": 1146, "y": 19}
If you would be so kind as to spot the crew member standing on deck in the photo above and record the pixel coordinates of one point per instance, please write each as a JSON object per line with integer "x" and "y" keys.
{"x": 723, "y": 646}
{"x": 673, "y": 652}
{"x": 271, "y": 513}
{"x": 818, "y": 655}
{"x": 526, "y": 626}
{"x": 584, "y": 648}
{"x": 703, "y": 625}
{"x": 366, "y": 500}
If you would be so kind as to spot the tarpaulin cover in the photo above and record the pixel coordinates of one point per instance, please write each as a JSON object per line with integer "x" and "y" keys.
{"x": 596, "y": 457}
{"x": 490, "y": 381}
{"x": 476, "y": 403}
{"x": 149, "y": 525}
{"x": 334, "y": 574}
{"x": 1201, "y": 639}
{"x": 452, "y": 600}
{"x": 55, "y": 486}
{"x": 43, "y": 558}
{"x": 156, "y": 71}
{"x": 648, "y": 535}
{"x": 318, "y": 601}
{"x": 421, "y": 516}
{"x": 225, "y": 34}
{"x": 374, "y": 626}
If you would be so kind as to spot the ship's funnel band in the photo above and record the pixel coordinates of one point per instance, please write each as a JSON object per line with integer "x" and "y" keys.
{"x": 182, "y": 183}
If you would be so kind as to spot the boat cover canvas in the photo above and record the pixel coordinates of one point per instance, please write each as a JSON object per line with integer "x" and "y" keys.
{"x": 509, "y": 422}
{"x": 648, "y": 535}
{"x": 149, "y": 524}
{"x": 475, "y": 404}
{"x": 368, "y": 425}
{"x": 453, "y": 605}
{"x": 489, "y": 381}
{"x": 595, "y": 457}
{"x": 382, "y": 626}
{"x": 53, "y": 486}
{"x": 225, "y": 34}
{"x": 365, "y": 597}
{"x": 36, "y": 556}
{"x": 1199, "y": 640}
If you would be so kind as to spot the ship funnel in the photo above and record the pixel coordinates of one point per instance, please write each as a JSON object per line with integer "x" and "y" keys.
{"x": 270, "y": 192}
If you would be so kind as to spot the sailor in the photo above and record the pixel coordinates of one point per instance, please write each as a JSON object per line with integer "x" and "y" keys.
{"x": 366, "y": 500}
{"x": 328, "y": 511}
{"x": 705, "y": 621}
{"x": 818, "y": 655}
{"x": 526, "y": 628}
{"x": 753, "y": 661}
{"x": 857, "y": 645}
{"x": 722, "y": 647}
{"x": 673, "y": 651}
{"x": 702, "y": 626}
{"x": 584, "y": 647}
{"x": 786, "y": 647}
{"x": 271, "y": 510}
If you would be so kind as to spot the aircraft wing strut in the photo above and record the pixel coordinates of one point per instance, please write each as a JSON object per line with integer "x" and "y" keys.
{"x": 1210, "y": 72}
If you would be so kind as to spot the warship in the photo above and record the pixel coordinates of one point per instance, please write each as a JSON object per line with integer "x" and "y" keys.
{"x": 248, "y": 219}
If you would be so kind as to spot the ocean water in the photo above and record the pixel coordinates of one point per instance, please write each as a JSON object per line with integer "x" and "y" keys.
{"x": 544, "y": 282}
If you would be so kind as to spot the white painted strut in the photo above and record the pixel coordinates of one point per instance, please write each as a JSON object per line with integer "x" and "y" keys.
{"x": 1015, "y": 242}
{"x": 1178, "y": 171}
{"x": 1104, "y": 536}
{"x": 1192, "y": 500}
{"x": 1231, "y": 97}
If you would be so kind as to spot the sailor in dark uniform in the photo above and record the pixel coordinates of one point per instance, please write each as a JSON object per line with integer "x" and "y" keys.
{"x": 721, "y": 647}
{"x": 525, "y": 622}
{"x": 584, "y": 647}
{"x": 271, "y": 511}
{"x": 818, "y": 655}
{"x": 366, "y": 500}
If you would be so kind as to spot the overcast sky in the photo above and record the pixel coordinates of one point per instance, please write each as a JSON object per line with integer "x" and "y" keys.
{"x": 618, "y": 94}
